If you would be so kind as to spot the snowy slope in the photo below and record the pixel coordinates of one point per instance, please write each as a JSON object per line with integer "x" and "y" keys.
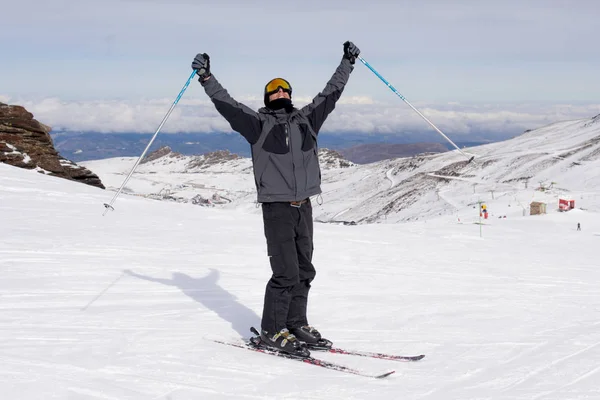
{"x": 123, "y": 306}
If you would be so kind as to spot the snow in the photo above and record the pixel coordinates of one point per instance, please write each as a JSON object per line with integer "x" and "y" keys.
{"x": 124, "y": 306}
{"x": 26, "y": 158}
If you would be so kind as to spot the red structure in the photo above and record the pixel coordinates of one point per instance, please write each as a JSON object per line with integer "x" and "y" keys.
{"x": 565, "y": 205}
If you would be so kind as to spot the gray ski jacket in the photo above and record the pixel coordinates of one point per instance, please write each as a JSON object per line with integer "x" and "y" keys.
{"x": 284, "y": 144}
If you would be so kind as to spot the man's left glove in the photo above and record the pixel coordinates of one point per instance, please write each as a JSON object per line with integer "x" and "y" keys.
{"x": 201, "y": 64}
{"x": 351, "y": 51}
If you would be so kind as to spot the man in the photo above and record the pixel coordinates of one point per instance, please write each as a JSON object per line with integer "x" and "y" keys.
{"x": 286, "y": 168}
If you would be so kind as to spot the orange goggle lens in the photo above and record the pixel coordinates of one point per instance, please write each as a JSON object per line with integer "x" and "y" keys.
{"x": 277, "y": 83}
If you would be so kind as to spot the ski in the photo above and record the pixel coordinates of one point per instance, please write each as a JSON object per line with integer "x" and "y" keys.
{"x": 254, "y": 346}
{"x": 326, "y": 346}
{"x": 380, "y": 356}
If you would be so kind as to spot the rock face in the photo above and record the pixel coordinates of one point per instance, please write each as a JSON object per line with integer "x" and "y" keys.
{"x": 26, "y": 143}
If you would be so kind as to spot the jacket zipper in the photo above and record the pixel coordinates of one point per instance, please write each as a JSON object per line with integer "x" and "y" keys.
{"x": 288, "y": 139}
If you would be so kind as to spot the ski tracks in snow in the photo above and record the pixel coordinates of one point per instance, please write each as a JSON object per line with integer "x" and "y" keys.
{"x": 535, "y": 367}
{"x": 162, "y": 375}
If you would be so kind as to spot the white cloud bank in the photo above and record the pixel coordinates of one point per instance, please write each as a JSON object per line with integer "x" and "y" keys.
{"x": 352, "y": 114}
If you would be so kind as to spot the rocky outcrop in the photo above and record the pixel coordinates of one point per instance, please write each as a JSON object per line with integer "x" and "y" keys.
{"x": 164, "y": 151}
{"x": 332, "y": 159}
{"x": 26, "y": 143}
{"x": 213, "y": 158}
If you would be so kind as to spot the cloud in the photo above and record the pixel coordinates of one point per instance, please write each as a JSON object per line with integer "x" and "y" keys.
{"x": 437, "y": 50}
{"x": 352, "y": 114}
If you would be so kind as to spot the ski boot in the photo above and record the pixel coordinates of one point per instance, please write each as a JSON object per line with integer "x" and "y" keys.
{"x": 285, "y": 342}
{"x": 311, "y": 338}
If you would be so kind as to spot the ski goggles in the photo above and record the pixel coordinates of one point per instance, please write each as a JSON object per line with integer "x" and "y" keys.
{"x": 274, "y": 85}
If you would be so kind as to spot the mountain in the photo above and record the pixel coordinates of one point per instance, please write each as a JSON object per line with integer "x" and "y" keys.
{"x": 206, "y": 179}
{"x": 558, "y": 159}
{"x": 368, "y": 153}
{"x": 86, "y": 146}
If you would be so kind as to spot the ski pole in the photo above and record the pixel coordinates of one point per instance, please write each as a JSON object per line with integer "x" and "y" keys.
{"x": 393, "y": 89}
{"x": 109, "y": 206}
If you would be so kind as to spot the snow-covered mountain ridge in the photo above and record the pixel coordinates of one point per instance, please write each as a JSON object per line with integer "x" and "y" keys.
{"x": 557, "y": 160}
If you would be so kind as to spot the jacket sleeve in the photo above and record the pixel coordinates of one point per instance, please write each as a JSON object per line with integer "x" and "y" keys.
{"x": 324, "y": 103}
{"x": 241, "y": 117}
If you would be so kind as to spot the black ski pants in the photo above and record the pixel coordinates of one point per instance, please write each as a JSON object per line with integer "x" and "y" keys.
{"x": 289, "y": 233}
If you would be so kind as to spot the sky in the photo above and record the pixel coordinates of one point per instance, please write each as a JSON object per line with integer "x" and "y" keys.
{"x": 127, "y": 305}
{"x": 472, "y": 66}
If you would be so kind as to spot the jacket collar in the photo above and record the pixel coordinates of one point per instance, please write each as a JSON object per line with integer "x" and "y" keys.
{"x": 277, "y": 113}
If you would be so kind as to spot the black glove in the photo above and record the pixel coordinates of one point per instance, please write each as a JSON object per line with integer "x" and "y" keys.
{"x": 202, "y": 66}
{"x": 351, "y": 51}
